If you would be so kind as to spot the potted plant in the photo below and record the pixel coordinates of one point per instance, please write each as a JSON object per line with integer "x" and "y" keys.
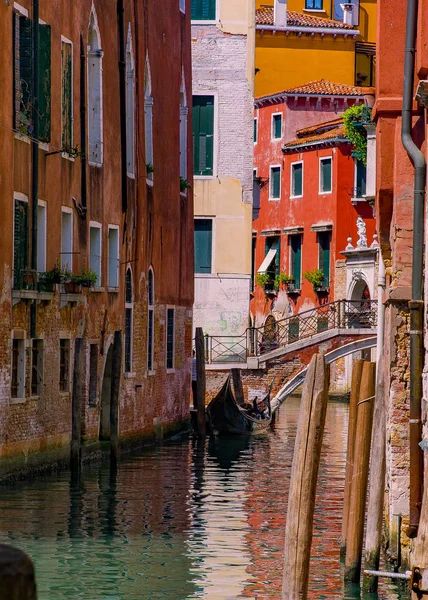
{"x": 184, "y": 184}
{"x": 264, "y": 280}
{"x": 316, "y": 278}
{"x": 149, "y": 170}
{"x": 50, "y": 278}
{"x": 282, "y": 279}
{"x": 74, "y": 283}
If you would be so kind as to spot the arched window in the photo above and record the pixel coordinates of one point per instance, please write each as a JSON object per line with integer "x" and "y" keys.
{"x": 151, "y": 320}
{"x": 130, "y": 106}
{"x": 183, "y": 129}
{"x": 148, "y": 120}
{"x": 95, "y": 92}
{"x": 129, "y": 307}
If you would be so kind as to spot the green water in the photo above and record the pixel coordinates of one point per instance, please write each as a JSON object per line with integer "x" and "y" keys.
{"x": 180, "y": 522}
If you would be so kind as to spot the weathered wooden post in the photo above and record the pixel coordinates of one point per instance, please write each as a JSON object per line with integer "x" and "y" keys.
{"x": 301, "y": 499}
{"x": 17, "y": 578}
{"x": 237, "y": 386}
{"x": 357, "y": 369}
{"x": 76, "y": 404}
{"x": 354, "y": 545}
{"x": 115, "y": 395}
{"x": 376, "y": 485}
{"x": 200, "y": 382}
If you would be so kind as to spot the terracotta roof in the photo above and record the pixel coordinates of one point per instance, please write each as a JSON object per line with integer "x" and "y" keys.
{"x": 318, "y": 135}
{"x": 264, "y": 16}
{"x": 320, "y": 87}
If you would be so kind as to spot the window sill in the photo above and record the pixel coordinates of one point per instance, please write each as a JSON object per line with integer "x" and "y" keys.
{"x": 274, "y": 199}
{"x": 69, "y": 299}
{"x": 130, "y": 175}
{"x": 151, "y": 372}
{"x": 44, "y": 146}
{"x": 315, "y": 10}
{"x": 68, "y": 156}
{"x": 22, "y": 138}
{"x": 170, "y": 371}
{"x": 197, "y": 177}
{"x": 62, "y": 393}
{"x": 149, "y": 182}
{"x": 18, "y": 400}
{"x": 97, "y": 290}
{"x": 183, "y": 194}
{"x": 296, "y": 197}
{"x": 214, "y": 22}
{"x": 276, "y": 139}
{"x": 129, "y": 375}
{"x": 113, "y": 290}
{"x": 325, "y": 193}
{"x": 97, "y": 165}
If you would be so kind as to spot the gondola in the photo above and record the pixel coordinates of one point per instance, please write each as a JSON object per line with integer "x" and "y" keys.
{"x": 226, "y": 416}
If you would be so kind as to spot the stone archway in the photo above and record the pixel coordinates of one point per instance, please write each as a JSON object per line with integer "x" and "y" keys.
{"x": 109, "y": 411}
{"x": 105, "y": 428}
{"x": 360, "y": 290}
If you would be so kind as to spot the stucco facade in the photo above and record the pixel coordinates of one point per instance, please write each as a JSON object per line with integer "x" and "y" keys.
{"x": 223, "y": 69}
{"x": 75, "y": 367}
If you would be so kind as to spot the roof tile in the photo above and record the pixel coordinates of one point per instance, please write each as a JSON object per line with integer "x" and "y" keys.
{"x": 264, "y": 16}
{"x": 323, "y": 132}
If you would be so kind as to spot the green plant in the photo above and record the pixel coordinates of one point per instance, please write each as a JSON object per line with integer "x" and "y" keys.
{"x": 87, "y": 278}
{"x": 184, "y": 184}
{"x": 73, "y": 151}
{"x": 149, "y": 169}
{"x": 354, "y": 118}
{"x": 262, "y": 279}
{"x": 54, "y": 275}
{"x": 315, "y": 277}
{"x": 283, "y": 279}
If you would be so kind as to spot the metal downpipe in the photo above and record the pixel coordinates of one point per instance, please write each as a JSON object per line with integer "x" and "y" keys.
{"x": 416, "y": 304}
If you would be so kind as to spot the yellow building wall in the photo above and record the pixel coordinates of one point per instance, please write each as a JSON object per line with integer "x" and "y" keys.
{"x": 222, "y": 198}
{"x": 284, "y": 62}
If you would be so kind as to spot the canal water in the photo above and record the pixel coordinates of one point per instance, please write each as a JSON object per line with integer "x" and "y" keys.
{"x": 179, "y": 522}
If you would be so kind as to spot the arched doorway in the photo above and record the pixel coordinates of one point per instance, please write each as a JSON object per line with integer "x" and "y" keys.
{"x": 105, "y": 428}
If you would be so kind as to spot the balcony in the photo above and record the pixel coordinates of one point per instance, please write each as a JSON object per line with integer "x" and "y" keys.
{"x": 29, "y": 285}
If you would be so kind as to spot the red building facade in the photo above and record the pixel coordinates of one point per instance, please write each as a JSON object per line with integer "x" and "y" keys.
{"x": 312, "y": 191}
{"x": 94, "y": 131}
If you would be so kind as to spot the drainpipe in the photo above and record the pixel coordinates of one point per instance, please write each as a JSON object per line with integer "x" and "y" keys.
{"x": 381, "y": 283}
{"x": 35, "y": 158}
{"x": 416, "y": 304}
{"x": 122, "y": 97}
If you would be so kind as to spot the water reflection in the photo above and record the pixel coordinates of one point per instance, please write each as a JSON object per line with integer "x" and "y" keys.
{"x": 182, "y": 521}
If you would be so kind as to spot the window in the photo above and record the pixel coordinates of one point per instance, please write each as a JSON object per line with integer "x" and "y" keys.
{"x": 113, "y": 257}
{"x": 18, "y": 369}
{"x": 324, "y": 242}
{"x": 256, "y": 122}
{"x": 41, "y": 237}
{"x": 313, "y": 4}
{"x": 183, "y": 130}
{"x": 203, "y": 135}
{"x": 203, "y": 10}
{"x": 95, "y": 57}
{"x": 36, "y": 367}
{"x": 170, "y": 330}
{"x": 148, "y": 120}
{"x": 24, "y": 77}
{"x": 275, "y": 183}
{"x": 325, "y": 175}
{"x": 20, "y": 243}
{"x": 183, "y": 5}
{"x": 129, "y": 304}
{"x": 66, "y": 239}
{"x": 95, "y": 250}
{"x": 253, "y": 261}
{"x": 130, "y": 106}
{"x": 67, "y": 95}
{"x": 365, "y": 63}
{"x": 295, "y": 242}
{"x": 273, "y": 243}
{"x": 360, "y": 179}
{"x": 203, "y": 245}
{"x": 277, "y": 126}
{"x": 151, "y": 321}
{"x": 93, "y": 374}
{"x": 64, "y": 365}
{"x": 296, "y": 180}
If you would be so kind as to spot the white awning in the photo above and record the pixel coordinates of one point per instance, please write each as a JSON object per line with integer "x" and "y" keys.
{"x": 267, "y": 261}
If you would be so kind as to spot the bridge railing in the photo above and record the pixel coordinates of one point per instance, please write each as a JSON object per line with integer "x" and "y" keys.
{"x": 342, "y": 314}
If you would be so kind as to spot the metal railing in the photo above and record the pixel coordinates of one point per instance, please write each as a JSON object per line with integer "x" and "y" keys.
{"x": 256, "y": 341}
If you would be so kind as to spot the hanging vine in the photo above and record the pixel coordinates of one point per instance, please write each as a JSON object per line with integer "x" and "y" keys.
{"x": 354, "y": 119}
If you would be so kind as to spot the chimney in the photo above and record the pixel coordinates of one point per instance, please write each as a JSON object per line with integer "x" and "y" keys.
{"x": 348, "y": 13}
{"x": 280, "y": 13}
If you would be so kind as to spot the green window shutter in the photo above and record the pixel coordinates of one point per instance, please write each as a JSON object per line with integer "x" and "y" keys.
{"x": 20, "y": 242}
{"x": 296, "y": 259}
{"x": 273, "y": 243}
{"x": 326, "y": 175}
{"x": 324, "y": 240}
{"x": 66, "y": 97}
{"x": 203, "y": 135}
{"x": 44, "y": 91}
{"x": 203, "y": 245}
{"x": 275, "y": 185}
{"x": 277, "y": 126}
{"x": 297, "y": 180}
{"x": 203, "y": 10}
{"x": 25, "y": 75}
{"x": 360, "y": 180}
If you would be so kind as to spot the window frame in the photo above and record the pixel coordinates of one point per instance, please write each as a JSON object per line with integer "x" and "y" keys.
{"x": 214, "y": 95}
{"x": 67, "y": 368}
{"x": 290, "y": 259}
{"x": 130, "y": 105}
{"x": 99, "y": 54}
{"x": 327, "y": 236}
{"x": 65, "y": 154}
{"x": 39, "y": 367}
{"x": 313, "y": 8}
{"x": 151, "y": 320}
{"x": 273, "y": 137}
{"x": 271, "y": 167}
{"x": 110, "y": 228}
{"x": 68, "y": 266}
{"x": 292, "y": 165}
{"x": 19, "y": 197}
{"x": 42, "y": 239}
{"x": 170, "y": 369}
{"x": 322, "y": 160}
{"x": 96, "y": 225}
{"x": 182, "y": 5}
{"x": 20, "y": 369}
{"x": 357, "y": 196}
{"x": 206, "y": 21}
{"x": 129, "y": 306}
{"x": 213, "y": 221}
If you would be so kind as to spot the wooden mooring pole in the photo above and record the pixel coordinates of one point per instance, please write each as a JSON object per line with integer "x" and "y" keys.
{"x": 357, "y": 505}
{"x": 17, "y": 578}
{"x": 376, "y": 485}
{"x": 200, "y": 382}
{"x": 357, "y": 369}
{"x": 301, "y": 499}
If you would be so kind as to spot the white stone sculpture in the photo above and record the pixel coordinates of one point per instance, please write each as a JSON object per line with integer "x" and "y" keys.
{"x": 362, "y": 233}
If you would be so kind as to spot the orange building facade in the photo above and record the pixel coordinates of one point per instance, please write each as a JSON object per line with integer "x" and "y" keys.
{"x": 96, "y": 250}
